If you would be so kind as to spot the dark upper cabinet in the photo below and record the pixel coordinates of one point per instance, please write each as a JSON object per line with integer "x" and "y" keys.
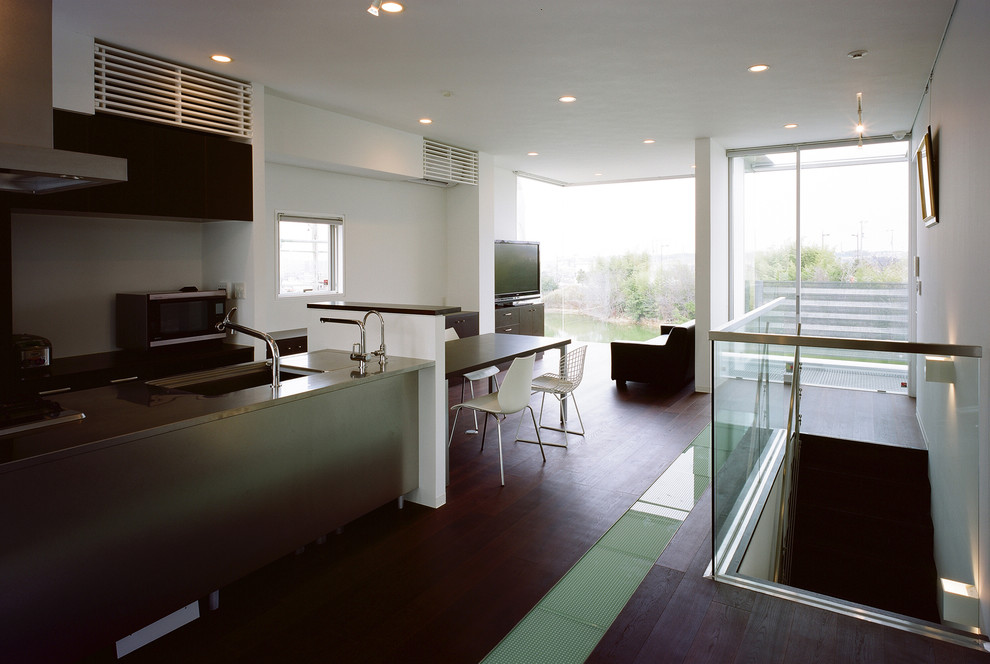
{"x": 180, "y": 172}
{"x": 229, "y": 179}
{"x": 171, "y": 172}
{"x": 133, "y": 140}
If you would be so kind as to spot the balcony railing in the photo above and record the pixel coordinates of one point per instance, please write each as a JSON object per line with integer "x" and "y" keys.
{"x": 808, "y": 475}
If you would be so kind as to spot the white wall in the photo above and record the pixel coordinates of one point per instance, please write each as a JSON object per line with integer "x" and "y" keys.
{"x": 955, "y": 272}
{"x": 506, "y": 206}
{"x": 471, "y": 243}
{"x": 302, "y": 135}
{"x": 711, "y": 271}
{"x": 394, "y": 240}
{"x": 66, "y": 272}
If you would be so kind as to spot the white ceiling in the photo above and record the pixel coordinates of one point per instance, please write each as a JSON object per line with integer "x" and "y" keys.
{"x": 489, "y": 73}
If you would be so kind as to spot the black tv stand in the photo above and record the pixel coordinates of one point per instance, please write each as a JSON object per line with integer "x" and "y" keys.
{"x": 519, "y": 317}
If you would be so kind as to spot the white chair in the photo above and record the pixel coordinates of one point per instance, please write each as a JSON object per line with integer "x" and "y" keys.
{"x": 488, "y": 372}
{"x": 562, "y": 386}
{"x": 512, "y": 397}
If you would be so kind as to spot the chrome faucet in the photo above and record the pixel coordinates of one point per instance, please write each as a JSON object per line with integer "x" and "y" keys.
{"x": 359, "y": 351}
{"x": 267, "y": 338}
{"x": 382, "y": 357}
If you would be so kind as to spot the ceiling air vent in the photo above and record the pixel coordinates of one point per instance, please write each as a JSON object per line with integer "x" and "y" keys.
{"x": 147, "y": 88}
{"x": 446, "y": 165}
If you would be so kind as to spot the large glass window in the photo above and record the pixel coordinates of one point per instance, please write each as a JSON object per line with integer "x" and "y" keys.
{"x": 826, "y": 228}
{"x": 310, "y": 254}
{"x": 617, "y": 260}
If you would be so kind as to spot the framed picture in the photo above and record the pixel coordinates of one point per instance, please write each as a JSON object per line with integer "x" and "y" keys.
{"x": 926, "y": 183}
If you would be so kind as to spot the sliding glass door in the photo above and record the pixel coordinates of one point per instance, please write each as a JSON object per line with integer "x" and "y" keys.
{"x": 825, "y": 227}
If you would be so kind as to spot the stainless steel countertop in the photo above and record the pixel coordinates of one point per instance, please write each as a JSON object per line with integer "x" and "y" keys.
{"x": 117, "y": 414}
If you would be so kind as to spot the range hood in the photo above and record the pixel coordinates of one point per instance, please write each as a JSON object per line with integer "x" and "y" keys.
{"x": 29, "y": 163}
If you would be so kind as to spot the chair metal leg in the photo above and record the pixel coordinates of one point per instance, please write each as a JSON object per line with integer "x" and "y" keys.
{"x": 471, "y": 385}
{"x": 542, "y": 401}
{"x": 501, "y": 469}
{"x": 450, "y": 438}
{"x": 485, "y": 432}
{"x": 539, "y": 439}
{"x": 561, "y": 399}
{"x": 537, "y": 429}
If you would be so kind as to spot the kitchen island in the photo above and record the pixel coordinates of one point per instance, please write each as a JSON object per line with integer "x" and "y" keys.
{"x": 414, "y": 330}
{"x": 160, "y": 496}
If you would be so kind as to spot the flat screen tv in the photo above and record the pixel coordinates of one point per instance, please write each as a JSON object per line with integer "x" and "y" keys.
{"x": 517, "y": 270}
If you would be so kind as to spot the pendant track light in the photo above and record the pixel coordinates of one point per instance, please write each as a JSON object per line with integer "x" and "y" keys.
{"x": 375, "y": 6}
{"x": 860, "y": 127}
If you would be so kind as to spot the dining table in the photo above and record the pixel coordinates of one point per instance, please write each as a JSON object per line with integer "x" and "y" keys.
{"x": 468, "y": 354}
{"x": 484, "y": 350}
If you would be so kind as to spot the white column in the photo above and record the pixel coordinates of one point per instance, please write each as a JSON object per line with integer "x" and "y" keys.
{"x": 711, "y": 218}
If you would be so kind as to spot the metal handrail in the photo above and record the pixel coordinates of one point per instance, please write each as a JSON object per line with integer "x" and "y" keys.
{"x": 877, "y": 345}
{"x": 728, "y": 332}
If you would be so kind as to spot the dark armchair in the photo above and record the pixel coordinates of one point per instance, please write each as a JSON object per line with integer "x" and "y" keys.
{"x": 665, "y": 360}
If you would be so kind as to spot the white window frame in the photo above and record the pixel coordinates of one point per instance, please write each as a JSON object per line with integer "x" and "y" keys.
{"x": 335, "y": 253}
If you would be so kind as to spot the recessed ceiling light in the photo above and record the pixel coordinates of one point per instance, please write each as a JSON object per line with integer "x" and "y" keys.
{"x": 857, "y": 55}
{"x": 532, "y": 154}
{"x": 567, "y": 99}
{"x": 425, "y": 121}
{"x": 790, "y": 125}
{"x": 221, "y": 58}
{"x": 649, "y": 141}
{"x": 393, "y": 7}
{"x": 598, "y": 175}
{"x": 759, "y": 68}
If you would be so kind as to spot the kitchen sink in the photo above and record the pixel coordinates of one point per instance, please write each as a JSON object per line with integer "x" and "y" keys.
{"x": 229, "y": 379}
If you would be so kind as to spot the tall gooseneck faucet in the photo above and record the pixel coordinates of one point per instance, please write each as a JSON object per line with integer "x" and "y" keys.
{"x": 359, "y": 351}
{"x": 267, "y": 338}
{"x": 382, "y": 357}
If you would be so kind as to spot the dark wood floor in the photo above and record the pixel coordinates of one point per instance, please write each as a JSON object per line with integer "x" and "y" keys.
{"x": 446, "y": 585}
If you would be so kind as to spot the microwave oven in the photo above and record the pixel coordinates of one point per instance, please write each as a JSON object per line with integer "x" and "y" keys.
{"x": 153, "y": 320}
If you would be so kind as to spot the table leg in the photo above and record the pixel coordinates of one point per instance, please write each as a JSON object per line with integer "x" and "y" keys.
{"x": 563, "y": 374}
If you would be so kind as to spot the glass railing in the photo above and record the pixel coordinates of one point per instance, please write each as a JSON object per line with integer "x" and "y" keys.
{"x": 845, "y": 494}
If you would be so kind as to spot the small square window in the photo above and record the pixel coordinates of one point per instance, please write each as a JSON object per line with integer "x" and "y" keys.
{"x": 310, "y": 254}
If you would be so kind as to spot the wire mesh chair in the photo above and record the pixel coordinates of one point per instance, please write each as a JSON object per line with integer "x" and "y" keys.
{"x": 562, "y": 386}
{"x": 488, "y": 372}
